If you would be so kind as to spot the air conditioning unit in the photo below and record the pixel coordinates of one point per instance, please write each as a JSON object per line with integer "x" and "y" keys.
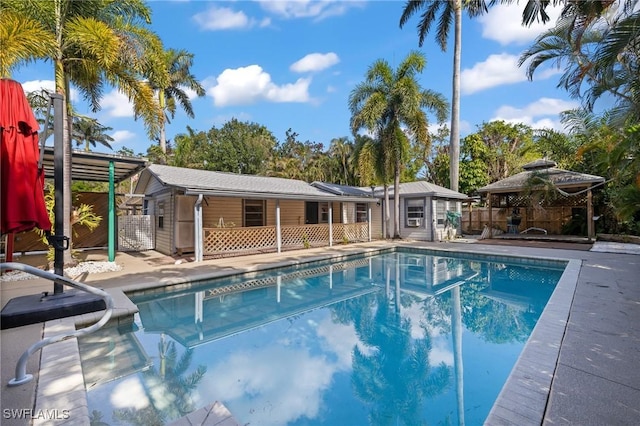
{"x": 414, "y": 222}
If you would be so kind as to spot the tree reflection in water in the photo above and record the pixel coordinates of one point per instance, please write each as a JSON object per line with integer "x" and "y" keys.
{"x": 170, "y": 376}
{"x": 393, "y": 375}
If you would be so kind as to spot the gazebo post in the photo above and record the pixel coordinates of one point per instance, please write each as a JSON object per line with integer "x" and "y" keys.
{"x": 590, "y": 224}
{"x": 490, "y": 215}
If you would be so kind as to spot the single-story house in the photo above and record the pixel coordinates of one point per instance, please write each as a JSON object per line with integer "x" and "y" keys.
{"x": 426, "y": 210}
{"x": 217, "y": 213}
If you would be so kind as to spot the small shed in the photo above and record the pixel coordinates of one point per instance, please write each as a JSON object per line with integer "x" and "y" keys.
{"x": 425, "y": 210}
{"x": 542, "y": 198}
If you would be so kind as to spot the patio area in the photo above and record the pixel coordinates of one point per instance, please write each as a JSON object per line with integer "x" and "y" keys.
{"x": 595, "y": 379}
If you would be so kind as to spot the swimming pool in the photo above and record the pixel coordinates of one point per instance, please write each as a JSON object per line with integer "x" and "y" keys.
{"x": 406, "y": 337}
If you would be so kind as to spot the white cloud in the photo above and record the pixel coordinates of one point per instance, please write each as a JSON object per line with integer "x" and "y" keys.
{"x": 48, "y": 85}
{"x": 497, "y": 70}
{"x": 251, "y": 84}
{"x": 116, "y": 104}
{"x": 120, "y": 136}
{"x": 503, "y": 24}
{"x": 285, "y": 384}
{"x": 222, "y": 18}
{"x": 315, "y": 62}
{"x": 129, "y": 394}
{"x": 543, "y": 113}
{"x": 309, "y": 9}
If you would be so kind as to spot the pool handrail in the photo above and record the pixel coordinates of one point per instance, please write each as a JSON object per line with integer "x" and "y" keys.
{"x": 21, "y": 367}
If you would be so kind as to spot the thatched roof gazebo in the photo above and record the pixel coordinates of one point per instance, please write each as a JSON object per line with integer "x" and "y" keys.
{"x": 540, "y": 187}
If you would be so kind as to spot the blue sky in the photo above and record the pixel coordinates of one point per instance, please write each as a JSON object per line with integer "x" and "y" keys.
{"x": 292, "y": 64}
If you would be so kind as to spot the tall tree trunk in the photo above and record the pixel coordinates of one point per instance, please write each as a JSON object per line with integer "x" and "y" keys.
{"x": 385, "y": 223}
{"x": 454, "y": 142}
{"x": 163, "y": 137}
{"x": 396, "y": 200}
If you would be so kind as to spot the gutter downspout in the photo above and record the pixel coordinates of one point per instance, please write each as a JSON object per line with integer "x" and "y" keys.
{"x": 197, "y": 213}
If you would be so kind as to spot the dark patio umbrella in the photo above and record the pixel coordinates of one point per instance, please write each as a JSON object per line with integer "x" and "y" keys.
{"x": 22, "y": 205}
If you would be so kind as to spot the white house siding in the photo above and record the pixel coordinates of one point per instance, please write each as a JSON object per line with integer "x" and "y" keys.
{"x": 349, "y": 212}
{"x": 164, "y": 235}
{"x": 449, "y": 205}
{"x": 154, "y": 186}
{"x": 422, "y": 232}
{"x": 376, "y": 221}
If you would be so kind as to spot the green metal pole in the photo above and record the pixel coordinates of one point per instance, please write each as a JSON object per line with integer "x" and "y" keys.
{"x": 112, "y": 212}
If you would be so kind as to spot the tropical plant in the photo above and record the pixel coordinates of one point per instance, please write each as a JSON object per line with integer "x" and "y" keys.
{"x": 389, "y": 99}
{"x": 374, "y": 168}
{"x": 599, "y": 59}
{"x": 89, "y": 132}
{"x": 449, "y": 10}
{"x": 90, "y": 44}
{"x": 178, "y": 64}
{"x": 341, "y": 151}
{"x": 82, "y": 215}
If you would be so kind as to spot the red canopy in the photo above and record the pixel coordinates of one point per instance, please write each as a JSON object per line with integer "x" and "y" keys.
{"x": 22, "y": 206}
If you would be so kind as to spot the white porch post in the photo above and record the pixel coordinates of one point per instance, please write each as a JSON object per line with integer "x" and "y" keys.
{"x": 197, "y": 231}
{"x": 278, "y": 230}
{"x": 591, "y": 232}
{"x": 330, "y": 223}
{"x": 369, "y": 220}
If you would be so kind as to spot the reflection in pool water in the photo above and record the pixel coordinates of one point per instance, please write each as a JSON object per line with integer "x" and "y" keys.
{"x": 400, "y": 338}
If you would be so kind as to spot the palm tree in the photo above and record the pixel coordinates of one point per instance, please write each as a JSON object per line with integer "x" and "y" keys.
{"x": 341, "y": 150}
{"x": 374, "y": 169}
{"x": 178, "y": 64}
{"x": 88, "y": 132}
{"x": 90, "y": 43}
{"x": 389, "y": 99}
{"x": 603, "y": 57}
{"x": 451, "y": 10}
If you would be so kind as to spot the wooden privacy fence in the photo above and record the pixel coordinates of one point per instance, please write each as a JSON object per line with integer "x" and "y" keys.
{"x": 551, "y": 219}
{"x": 232, "y": 241}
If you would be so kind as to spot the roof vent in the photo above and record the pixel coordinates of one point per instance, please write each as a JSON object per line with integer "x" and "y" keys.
{"x": 540, "y": 164}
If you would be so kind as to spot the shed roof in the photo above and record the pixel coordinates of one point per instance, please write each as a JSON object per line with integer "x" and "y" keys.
{"x": 560, "y": 178}
{"x": 422, "y": 188}
{"x": 207, "y": 182}
{"x": 94, "y": 166}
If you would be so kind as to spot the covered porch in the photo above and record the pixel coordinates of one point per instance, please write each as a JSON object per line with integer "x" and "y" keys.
{"x": 540, "y": 202}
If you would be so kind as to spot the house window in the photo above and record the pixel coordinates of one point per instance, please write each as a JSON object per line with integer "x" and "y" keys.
{"x": 441, "y": 208}
{"x": 254, "y": 213}
{"x": 361, "y": 212}
{"x": 160, "y": 215}
{"x": 324, "y": 212}
{"x": 415, "y": 212}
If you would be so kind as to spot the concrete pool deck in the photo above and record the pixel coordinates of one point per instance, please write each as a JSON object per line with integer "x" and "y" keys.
{"x": 594, "y": 378}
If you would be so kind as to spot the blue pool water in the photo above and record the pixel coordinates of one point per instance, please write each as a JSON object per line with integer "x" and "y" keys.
{"x": 399, "y": 338}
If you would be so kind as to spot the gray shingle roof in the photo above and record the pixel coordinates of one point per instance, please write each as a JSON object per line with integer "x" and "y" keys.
{"x": 560, "y": 178}
{"x": 422, "y": 188}
{"x": 231, "y": 184}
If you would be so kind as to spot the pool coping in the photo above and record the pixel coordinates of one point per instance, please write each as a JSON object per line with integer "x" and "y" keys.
{"x": 522, "y": 400}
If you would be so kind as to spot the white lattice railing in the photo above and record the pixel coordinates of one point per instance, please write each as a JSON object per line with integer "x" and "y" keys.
{"x": 305, "y": 236}
{"x": 236, "y": 240}
{"x": 350, "y": 232}
{"x": 219, "y": 241}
